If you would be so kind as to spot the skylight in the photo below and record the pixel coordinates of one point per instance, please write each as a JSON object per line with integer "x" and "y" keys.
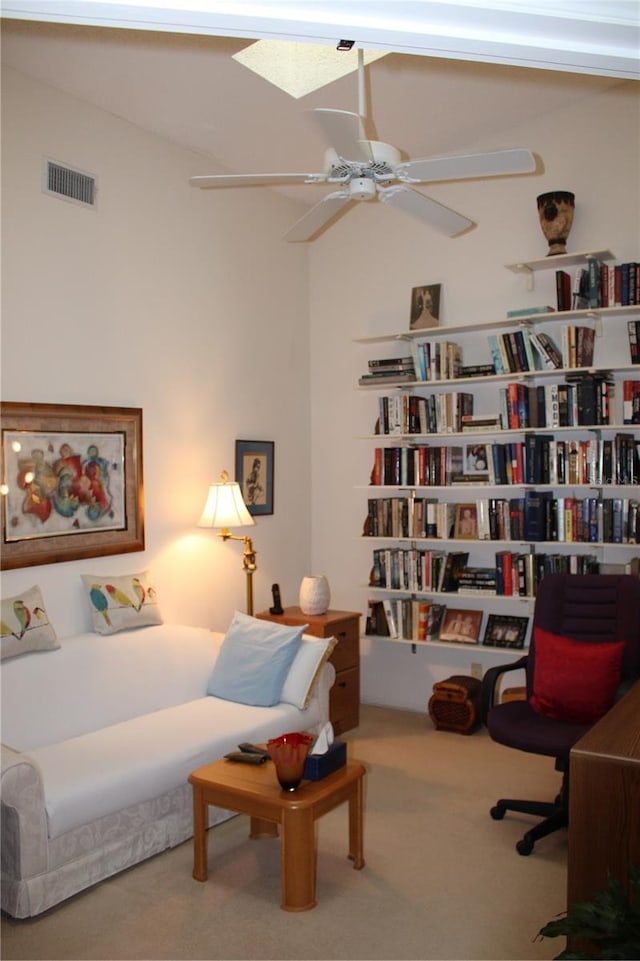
{"x": 301, "y": 68}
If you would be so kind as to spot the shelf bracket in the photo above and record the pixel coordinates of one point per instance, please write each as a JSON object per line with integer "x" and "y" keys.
{"x": 530, "y": 277}
{"x": 414, "y": 649}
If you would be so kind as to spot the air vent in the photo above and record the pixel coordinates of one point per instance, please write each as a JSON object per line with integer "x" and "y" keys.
{"x": 69, "y": 184}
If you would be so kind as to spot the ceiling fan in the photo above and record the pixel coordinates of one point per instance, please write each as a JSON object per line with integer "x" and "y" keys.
{"x": 369, "y": 169}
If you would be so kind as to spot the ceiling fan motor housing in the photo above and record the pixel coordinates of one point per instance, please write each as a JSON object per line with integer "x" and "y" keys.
{"x": 362, "y": 188}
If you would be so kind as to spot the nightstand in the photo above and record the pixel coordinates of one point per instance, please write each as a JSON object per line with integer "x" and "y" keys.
{"x": 344, "y": 704}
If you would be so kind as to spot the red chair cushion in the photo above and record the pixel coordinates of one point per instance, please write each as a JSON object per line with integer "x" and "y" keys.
{"x": 574, "y": 681}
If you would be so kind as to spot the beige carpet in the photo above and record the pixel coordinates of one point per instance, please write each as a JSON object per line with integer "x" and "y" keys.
{"x": 442, "y": 879}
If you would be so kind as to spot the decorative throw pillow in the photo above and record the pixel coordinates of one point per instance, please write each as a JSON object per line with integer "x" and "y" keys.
{"x": 312, "y": 655}
{"x": 120, "y": 603}
{"x": 26, "y": 625}
{"x": 573, "y": 680}
{"x": 254, "y": 661}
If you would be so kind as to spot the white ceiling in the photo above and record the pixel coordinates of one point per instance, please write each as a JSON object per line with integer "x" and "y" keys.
{"x": 186, "y": 87}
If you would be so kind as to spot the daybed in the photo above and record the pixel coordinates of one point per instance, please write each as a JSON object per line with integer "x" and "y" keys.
{"x": 99, "y": 736}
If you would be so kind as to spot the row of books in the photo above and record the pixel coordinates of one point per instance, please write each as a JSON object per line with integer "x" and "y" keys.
{"x": 599, "y": 284}
{"x": 518, "y": 574}
{"x": 587, "y": 400}
{"x": 545, "y": 459}
{"x": 412, "y": 569}
{"x": 526, "y": 350}
{"x": 436, "y": 360}
{"x": 534, "y": 516}
{"x": 440, "y": 413}
{"x": 538, "y": 459}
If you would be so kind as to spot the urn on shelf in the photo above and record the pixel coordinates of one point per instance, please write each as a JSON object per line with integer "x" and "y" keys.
{"x": 314, "y": 594}
{"x": 555, "y": 211}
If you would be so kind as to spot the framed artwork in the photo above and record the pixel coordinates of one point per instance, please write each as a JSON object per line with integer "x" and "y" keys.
{"x": 461, "y": 625}
{"x": 503, "y": 630}
{"x": 425, "y": 307}
{"x": 466, "y": 522}
{"x": 254, "y": 473}
{"x": 476, "y": 461}
{"x": 71, "y": 482}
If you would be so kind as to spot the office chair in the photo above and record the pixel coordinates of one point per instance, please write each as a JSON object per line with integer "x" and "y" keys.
{"x": 575, "y": 683}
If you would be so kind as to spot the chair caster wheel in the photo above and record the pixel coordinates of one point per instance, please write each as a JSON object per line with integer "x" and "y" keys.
{"x": 524, "y": 846}
{"x": 497, "y": 812}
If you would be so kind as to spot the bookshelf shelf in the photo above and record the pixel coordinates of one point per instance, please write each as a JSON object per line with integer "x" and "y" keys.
{"x": 603, "y": 491}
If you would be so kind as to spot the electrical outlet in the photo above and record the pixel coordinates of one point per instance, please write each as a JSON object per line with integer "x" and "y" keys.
{"x": 476, "y": 670}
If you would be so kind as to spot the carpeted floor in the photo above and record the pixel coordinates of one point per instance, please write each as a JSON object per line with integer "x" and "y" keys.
{"x": 442, "y": 879}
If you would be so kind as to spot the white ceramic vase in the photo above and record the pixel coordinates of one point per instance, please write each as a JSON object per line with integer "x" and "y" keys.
{"x": 314, "y": 594}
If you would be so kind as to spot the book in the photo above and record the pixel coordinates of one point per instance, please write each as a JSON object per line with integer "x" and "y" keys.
{"x": 435, "y": 617}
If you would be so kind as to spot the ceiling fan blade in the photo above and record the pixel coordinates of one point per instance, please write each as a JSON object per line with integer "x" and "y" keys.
{"x": 255, "y": 180}
{"x": 425, "y": 209}
{"x": 494, "y": 163}
{"x": 344, "y": 131}
{"x": 318, "y": 216}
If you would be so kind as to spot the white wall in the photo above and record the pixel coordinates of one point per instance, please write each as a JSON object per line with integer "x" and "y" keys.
{"x": 182, "y": 302}
{"x": 187, "y": 305}
{"x": 362, "y": 272}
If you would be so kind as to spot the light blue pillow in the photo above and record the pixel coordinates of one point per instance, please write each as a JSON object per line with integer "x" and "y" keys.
{"x": 254, "y": 661}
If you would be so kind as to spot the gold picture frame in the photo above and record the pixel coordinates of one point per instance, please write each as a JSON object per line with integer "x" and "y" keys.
{"x": 466, "y": 522}
{"x": 72, "y": 482}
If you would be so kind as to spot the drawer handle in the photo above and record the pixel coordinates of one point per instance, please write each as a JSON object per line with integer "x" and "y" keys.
{"x": 342, "y": 633}
{"x": 342, "y": 683}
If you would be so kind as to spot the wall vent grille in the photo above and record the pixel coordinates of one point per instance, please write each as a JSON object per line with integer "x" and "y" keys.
{"x": 69, "y": 184}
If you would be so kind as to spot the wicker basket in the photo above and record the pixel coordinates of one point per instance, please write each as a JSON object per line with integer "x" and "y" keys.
{"x": 453, "y": 706}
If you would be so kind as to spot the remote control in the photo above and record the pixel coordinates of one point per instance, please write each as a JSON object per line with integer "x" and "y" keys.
{"x": 245, "y": 758}
{"x": 248, "y": 748}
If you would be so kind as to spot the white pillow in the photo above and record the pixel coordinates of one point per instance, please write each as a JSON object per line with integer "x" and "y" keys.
{"x": 25, "y": 625}
{"x": 307, "y": 665}
{"x": 254, "y": 661}
{"x": 120, "y": 603}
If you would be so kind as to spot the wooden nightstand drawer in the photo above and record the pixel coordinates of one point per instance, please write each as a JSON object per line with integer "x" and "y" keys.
{"x": 346, "y": 653}
{"x": 344, "y": 700}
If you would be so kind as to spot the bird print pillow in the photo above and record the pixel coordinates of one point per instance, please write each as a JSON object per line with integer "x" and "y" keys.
{"x": 26, "y": 625}
{"x": 120, "y": 603}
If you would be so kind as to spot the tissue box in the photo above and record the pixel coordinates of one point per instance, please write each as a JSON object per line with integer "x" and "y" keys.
{"x": 318, "y": 766}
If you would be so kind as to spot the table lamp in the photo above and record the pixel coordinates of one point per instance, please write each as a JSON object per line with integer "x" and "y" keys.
{"x": 225, "y": 508}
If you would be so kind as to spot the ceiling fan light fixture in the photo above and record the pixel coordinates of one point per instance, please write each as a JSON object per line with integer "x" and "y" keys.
{"x": 362, "y": 188}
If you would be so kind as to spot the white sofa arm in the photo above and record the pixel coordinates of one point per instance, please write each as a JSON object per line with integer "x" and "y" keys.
{"x": 321, "y": 692}
{"x": 24, "y": 817}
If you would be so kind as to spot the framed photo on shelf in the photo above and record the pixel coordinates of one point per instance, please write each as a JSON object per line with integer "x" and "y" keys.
{"x": 254, "y": 474}
{"x": 466, "y": 522}
{"x": 476, "y": 461}
{"x": 461, "y": 625}
{"x": 503, "y": 630}
{"x": 425, "y": 307}
{"x": 72, "y": 480}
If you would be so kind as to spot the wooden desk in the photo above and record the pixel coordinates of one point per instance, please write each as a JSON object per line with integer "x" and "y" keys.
{"x": 604, "y": 801}
{"x": 254, "y": 790}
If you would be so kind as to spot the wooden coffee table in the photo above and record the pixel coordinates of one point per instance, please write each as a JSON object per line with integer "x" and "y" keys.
{"x": 254, "y": 790}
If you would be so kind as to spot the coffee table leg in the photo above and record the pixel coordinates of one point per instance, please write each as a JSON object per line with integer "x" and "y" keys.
{"x": 200, "y": 808}
{"x": 356, "y": 845}
{"x": 298, "y": 858}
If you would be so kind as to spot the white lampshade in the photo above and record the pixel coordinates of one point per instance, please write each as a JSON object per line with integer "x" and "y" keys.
{"x": 225, "y": 507}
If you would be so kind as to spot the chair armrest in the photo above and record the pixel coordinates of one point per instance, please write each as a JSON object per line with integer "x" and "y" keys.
{"x": 490, "y": 681}
{"x": 624, "y": 687}
{"x": 24, "y": 817}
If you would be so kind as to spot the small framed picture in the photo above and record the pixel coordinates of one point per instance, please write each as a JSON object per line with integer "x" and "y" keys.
{"x": 254, "y": 474}
{"x": 466, "y": 522}
{"x": 476, "y": 460}
{"x": 461, "y": 625}
{"x": 502, "y": 630}
{"x": 425, "y": 307}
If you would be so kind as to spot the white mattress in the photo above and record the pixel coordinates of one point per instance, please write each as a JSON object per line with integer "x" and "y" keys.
{"x": 102, "y": 772}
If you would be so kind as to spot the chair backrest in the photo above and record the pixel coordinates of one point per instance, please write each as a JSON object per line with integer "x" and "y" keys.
{"x": 598, "y": 608}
